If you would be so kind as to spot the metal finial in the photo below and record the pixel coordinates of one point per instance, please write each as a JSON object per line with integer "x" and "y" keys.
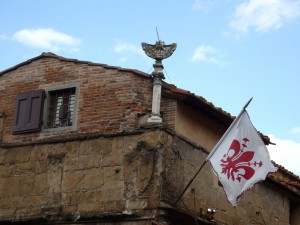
{"x": 157, "y": 34}
{"x": 159, "y": 51}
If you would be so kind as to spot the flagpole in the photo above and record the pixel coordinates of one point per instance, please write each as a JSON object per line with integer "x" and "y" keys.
{"x": 232, "y": 124}
{"x": 246, "y": 105}
{"x": 187, "y": 186}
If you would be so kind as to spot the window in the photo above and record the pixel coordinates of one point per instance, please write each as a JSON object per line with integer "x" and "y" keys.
{"x": 61, "y": 108}
{"x": 28, "y": 114}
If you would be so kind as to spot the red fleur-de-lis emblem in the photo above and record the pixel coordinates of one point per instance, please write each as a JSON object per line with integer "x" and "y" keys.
{"x": 236, "y": 163}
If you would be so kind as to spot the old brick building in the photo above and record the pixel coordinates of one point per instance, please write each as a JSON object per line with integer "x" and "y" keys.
{"x": 76, "y": 148}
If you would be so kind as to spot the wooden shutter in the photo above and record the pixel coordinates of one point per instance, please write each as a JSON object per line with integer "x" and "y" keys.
{"x": 28, "y": 115}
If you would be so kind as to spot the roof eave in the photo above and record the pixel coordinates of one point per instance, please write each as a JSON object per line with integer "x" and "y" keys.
{"x": 52, "y": 55}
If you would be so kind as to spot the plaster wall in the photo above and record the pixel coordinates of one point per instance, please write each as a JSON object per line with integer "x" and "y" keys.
{"x": 200, "y": 129}
{"x": 295, "y": 215}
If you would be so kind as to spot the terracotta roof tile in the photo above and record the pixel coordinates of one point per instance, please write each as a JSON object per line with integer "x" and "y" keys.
{"x": 286, "y": 179}
{"x": 176, "y": 90}
{"x": 281, "y": 168}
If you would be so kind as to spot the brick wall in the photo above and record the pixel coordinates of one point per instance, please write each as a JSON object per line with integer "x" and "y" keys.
{"x": 169, "y": 108}
{"x": 2, "y": 121}
{"x": 109, "y": 99}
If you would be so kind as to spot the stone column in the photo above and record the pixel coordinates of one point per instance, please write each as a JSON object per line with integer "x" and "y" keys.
{"x": 158, "y": 75}
{"x": 159, "y": 51}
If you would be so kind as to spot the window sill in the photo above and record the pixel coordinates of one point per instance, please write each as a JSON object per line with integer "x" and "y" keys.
{"x": 59, "y": 129}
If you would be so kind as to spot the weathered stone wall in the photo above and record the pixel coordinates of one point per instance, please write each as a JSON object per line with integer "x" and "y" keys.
{"x": 132, "y": 222}
{"x": 182, "y": 162}
{"x": 130, "y": 173}
{"x": 77, "y": 179}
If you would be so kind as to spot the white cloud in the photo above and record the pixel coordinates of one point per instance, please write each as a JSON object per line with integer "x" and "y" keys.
{"x": 127, "y": 50}
{"x": 296, "y": 130}
{"x": 264, "y": 15}
{"x": 48, "y": 39}
{"x": 126, "y": 47}
{"x": 123, "y": 60}
{"x": 209, "y": 54}
{"x": 202, "y": 5}
{"x": 285, "y": 153}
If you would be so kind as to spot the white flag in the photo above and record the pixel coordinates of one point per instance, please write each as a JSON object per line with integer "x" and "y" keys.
{"x": 240, "y": 159}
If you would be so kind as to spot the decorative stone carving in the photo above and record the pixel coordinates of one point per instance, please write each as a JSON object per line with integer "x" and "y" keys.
{"x": 159, "y": 51}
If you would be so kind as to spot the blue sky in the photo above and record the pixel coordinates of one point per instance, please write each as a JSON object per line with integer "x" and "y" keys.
{"x": 227, "y": 51}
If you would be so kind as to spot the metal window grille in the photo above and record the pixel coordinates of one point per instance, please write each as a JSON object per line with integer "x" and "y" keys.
{"x": 61, "y": 108}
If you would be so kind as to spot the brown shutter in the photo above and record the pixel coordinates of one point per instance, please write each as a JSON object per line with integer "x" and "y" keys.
{"x": 28, "y": 115}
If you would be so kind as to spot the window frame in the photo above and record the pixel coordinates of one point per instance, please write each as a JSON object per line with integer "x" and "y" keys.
{"x": 47, "y": 104}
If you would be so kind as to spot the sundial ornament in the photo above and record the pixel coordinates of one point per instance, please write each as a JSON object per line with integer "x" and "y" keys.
{"x": 159, "y": 51}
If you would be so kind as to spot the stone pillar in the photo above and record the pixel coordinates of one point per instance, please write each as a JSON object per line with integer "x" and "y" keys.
{"x": 158, "y": 75}
{"x": 159, "y": 51}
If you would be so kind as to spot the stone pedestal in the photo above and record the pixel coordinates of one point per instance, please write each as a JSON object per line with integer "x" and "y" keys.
{"x": 158, "y": 75}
